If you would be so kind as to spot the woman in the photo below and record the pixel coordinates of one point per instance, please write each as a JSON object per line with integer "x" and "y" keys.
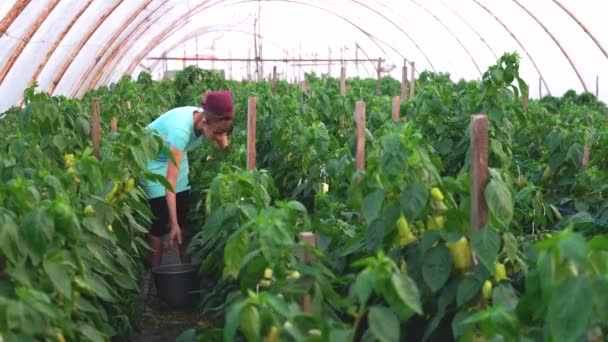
{"x": 182, "y": 129}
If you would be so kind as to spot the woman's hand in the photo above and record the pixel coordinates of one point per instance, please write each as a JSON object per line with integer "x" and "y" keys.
{"x": 175, "y": 236}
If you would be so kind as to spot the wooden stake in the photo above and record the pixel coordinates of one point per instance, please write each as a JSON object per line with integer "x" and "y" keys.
{"x": 540, "y": 88}
{"x": 396, "y": 108}
{"x": 404, "y": 82}
{"x": 479, "y": 171}
{"x": 274, "y": 80}
{"x": 379, "y": 71}
{"x": 343, "y": 81}
{"x": 585, "y": 160}
{"x": 360, "y": 119}
{"x": 114, "y": 125}
{"x": 128, "y": 105}
{"x": 95, "y": 127}
{"x": 251, "y": 120}
{"x": 597, "y": 86}
{"x": 307, "y": 258}
{"x": 526, "y": 100}
{"x": 413, "y": 80}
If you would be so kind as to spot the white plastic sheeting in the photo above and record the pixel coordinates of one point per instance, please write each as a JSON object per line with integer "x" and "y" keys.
{"x": 563, "y": 42}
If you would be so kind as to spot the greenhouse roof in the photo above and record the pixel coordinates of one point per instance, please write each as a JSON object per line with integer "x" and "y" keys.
{"x": 68, "y": 47}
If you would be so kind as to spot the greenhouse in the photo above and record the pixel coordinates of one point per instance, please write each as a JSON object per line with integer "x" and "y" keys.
{"x": 303, "y": 170}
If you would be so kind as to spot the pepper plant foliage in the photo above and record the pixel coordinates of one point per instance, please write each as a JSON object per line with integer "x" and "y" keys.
{"x": 394, "y": 246}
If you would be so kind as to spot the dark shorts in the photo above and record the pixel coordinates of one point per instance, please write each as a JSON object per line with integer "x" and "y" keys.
{"x": 159, "y": 209}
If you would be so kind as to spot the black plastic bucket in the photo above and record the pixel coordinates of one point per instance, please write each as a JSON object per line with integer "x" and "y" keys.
{"x": 177, "y": 285}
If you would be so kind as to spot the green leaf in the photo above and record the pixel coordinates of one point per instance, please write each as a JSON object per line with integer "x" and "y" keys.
{"x": 383, "y": 324}
{"x": 436, "y": 267}
{"x": 84, "y": 305}
{"x": 91, "y": 333}
{"x": 59, "y": 276}
{"x": 499, "y": 200}
{"x": 486, "y": 245}
{"x": 372, "y": 203}
{"x": 407, "y": 291}
{"x": 364, "y": 285}
{"x": 599, "y": 242}
{"x": 187, "y": 336}
{"x": 570, "y": 310}
{"x": 34, "y": 225}
{"x": 60, "y": 142}
{"x": 600, "y": 300}
{"x": 467, "y": 289}
{"x": 573, "y": 247}
{"x": 428, "y": 240}
{"x": 374, "y": 235}
{"x": 249, "y": 322}
{"x": 232, "y": 320}
{"x": 99, "y": 287}
{"x": 413, "y": 201}
{"x": 234, "y": 252}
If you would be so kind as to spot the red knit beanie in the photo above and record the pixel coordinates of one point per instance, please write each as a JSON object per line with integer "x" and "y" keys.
{"x": 219, "y": 103}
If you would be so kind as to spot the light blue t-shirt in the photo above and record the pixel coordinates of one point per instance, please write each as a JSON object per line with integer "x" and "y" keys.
{"x": 176, "y": 127}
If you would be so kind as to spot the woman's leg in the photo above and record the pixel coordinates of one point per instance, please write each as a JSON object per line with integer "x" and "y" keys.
{"x": 158, "y": 229}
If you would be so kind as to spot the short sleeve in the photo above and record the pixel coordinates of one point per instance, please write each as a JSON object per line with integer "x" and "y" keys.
{"x": 179, "y": 138}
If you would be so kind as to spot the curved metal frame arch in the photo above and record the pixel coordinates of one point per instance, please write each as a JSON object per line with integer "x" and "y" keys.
{"x": 118, "y": 49}
{"x": 103, "y": 50}
{"x": 26, "y": 39}
{"x": 58, "y": 41}
{"x": 402, "y": 31}
{"x": 556, "y": 43}
{"x": 471, "y": 27}
{"x": 452, "y": 33}
{"x": 12, "y": 14}
{"x": 81, "y": 44}
{"x": 105, "y": 75}
{"x": 518, "y": 42}
{"x": 597, "y": 43}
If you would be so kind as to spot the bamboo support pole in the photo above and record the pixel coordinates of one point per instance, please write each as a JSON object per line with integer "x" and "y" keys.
{"x": 251, "y": 130}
